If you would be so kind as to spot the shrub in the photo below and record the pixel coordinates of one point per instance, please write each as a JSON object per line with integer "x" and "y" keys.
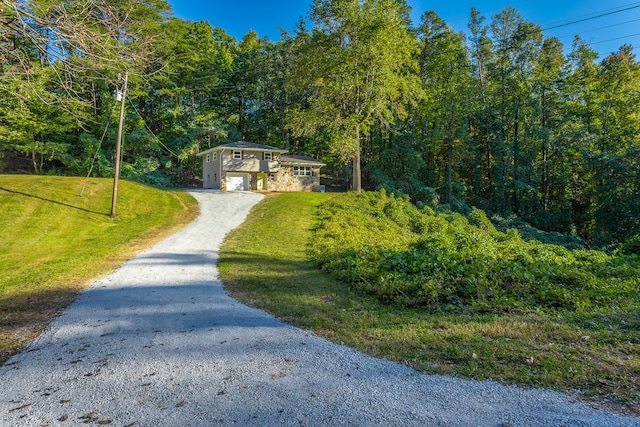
{"x": 382, "y": 245}
{"x": 631, "y": 246}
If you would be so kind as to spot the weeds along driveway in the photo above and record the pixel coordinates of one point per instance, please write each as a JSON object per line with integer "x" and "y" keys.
{"x": 159, "y": 343}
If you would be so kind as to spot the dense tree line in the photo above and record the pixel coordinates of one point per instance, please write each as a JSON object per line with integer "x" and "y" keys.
{"x": 503, "y": 118}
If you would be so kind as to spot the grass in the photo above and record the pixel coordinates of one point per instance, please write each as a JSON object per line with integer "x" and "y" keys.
{"x": 53, "y": 242}
{"x": 266, "y": 263}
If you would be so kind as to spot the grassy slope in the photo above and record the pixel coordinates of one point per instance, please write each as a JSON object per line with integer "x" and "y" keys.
{"x": 265, "y": 263}
{"x": 54, "y": 241}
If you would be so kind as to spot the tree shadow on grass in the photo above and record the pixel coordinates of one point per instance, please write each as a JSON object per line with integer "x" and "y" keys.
{"x": 53, "y": 201}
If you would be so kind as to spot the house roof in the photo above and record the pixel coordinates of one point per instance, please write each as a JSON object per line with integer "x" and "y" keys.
{"x": 243, "y": 145}
{"x": 300, "y": 160}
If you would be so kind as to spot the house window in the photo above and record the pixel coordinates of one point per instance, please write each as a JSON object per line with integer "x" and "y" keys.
{"x": 237, "y": 154}
{"x": 267, "y": 156}
{"x": 215, "y": 177}
{"x": 208, "y": 158}
{"x": 272, "y": 177}
{"x": 302, "y": 171}
{"x": 215, "y": 156}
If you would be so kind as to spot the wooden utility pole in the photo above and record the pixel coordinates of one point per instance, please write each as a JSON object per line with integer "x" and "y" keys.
{"x": 119, "y": 145}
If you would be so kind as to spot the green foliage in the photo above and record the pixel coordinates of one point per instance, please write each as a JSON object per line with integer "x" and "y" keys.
{"x": 399, "y": 173}
{"x": 383, "y": 245}
{"x": 530, "y": 233}
{"x": 31, "y": 123}
{"x": 356, "y": 68}
{"x": 631, "y": 246}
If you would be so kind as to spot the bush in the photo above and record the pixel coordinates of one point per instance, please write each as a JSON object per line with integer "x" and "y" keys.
{"x": 382, "y": 245}
{"x": 530, "y": 233}
{"x": 631, "y": 246}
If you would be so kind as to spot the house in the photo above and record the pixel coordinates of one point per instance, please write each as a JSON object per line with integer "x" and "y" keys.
{"x": 245, "y": 166}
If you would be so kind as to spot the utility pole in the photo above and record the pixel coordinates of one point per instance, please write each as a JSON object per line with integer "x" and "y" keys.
{"x": 116, "y": 176}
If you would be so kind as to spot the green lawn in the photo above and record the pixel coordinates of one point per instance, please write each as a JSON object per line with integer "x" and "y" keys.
{"x": 266, "y": 263}
{"x": 53, "y": 241}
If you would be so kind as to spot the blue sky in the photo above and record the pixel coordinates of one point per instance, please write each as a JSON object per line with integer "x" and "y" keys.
{"x": 619, "y": 24}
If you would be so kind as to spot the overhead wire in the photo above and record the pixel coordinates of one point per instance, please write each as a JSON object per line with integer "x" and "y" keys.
{"x": 596, "y": 15}
{"x": 584, "y": 18}
{"x": 95, "y": 156}
{"x": 483, "y": 12}
{"x": 617, "y": 38}
{"x": 591, "y": 18}
{"x": 560, "y": 21}
{"x": 600, "y": 28}
{"x": 156, "y": 139}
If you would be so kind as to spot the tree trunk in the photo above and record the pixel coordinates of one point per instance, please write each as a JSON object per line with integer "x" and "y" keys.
{"x": 94, "y": 100}
{"x": 545, "y": 173}
{"x": 241, "y": 117}
{"x": 34, "y": 162}
{"x": 414, "y": 121}
{"x": 478, "y": 174}
{"x": 501, "y": 177}
{"x": 357, "y": 174}
{"x": 449, "y": 168}
{"x": 545, "y": 152}
{"x": 516, "y": 156}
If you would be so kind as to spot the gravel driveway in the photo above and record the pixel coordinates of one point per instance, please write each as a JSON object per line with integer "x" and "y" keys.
{"x": 159, "y": 343}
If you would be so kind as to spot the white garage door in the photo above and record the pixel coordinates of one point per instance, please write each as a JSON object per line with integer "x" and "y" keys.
{"x": 237, "y": 182}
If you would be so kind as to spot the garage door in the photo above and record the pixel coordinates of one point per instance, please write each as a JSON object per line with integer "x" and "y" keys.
{"x": 237, "y": 182}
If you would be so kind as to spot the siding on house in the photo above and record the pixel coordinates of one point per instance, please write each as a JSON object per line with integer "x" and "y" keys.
{"x": 211, "y": 171}
{"x": 252, "y": 162}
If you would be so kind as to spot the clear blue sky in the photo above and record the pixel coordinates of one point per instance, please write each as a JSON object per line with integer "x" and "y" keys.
{"x": 606, "y": 33}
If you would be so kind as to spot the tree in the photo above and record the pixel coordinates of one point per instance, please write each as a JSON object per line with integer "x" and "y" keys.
{"x": 445, "y": 76}
{"x": 480, "y": 117}
{"x": 549, "y": 75}
{"x": 84, "y": 39}
{"x": 516, "y": 47}
{"x": 615, "y": 158}
{"x": 67, "y": 56}
{"x": 357, "y": 69}
{"x": 30, "y": 125}
{"x": 182, "y": 102}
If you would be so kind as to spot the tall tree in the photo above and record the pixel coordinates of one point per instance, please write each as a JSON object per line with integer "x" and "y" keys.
{"x": 509, "y": 81}
{"x": 89, "y": 39}
{"x": 358, "y": 69}
{"x": 31, "y": 125}
{"x": 616, "y": 156}
{"x": 549, "y": 75}
{"x": 480, "y": 52}
{"x": 445, "y": 76}
{"x": 78, "y": 48}
{"x": 183, "y": 101}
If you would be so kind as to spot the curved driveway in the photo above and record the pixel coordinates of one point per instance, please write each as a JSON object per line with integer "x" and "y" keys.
{"x": 159, "y": 343}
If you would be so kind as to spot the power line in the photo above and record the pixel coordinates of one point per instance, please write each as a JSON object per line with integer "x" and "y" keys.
{"x": 157, "y": 140}
{"x": 585, "y": 18}
{"x": 590, "y": 18}
{"x": 617, "y": 38}
{"x": 95, "y": 156}
{"x": 485, "y": 12}
{"x": 600, "y": 28}
{"x": 561, "y": 21}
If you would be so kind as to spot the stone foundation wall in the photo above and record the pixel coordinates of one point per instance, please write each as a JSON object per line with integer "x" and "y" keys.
{"x": 285, "y": 180}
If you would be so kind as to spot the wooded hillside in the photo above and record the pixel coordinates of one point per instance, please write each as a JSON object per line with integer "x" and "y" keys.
{"x": 504, "y": 119}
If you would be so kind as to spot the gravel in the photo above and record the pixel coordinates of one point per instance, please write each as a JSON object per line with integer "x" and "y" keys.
{"x": 159, "y": 343}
